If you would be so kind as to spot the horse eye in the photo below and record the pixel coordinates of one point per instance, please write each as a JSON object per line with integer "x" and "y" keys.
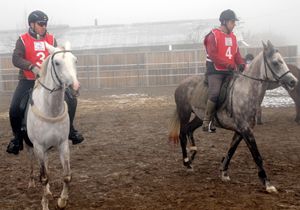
{"x": 275, "y": 63}
{"x": 56, "y": 63}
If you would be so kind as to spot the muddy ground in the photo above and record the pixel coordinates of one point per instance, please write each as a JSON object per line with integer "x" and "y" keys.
{"x": 126, "y": 161}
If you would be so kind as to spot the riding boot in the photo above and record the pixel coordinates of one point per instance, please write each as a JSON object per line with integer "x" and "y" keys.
{"x": 207, "y": 121}
{"x": 75, "y": 136}
{"x": 71, "y": 101}
{"x": 16, "y": 144}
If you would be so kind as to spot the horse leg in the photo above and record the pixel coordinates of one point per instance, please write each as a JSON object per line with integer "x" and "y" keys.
{"x": 192, "y": 126}
{"x": 31, "y": 158}
{"x": 64, "y": 153}
{"x": 43, "y": 161}
{"x": 236, "y": 139}
{"x": 258, "y": 115}
{"x": 251, "y": 143}
{"x": 297, "y": 119}
{"x": 184, "y": 119}
{"x": 183, "y": 143}
{"x": 295, "y": 95}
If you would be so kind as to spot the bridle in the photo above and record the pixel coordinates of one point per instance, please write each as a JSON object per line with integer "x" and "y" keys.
{"x": 59, "y": 84}
{"x": 267, "y": 65}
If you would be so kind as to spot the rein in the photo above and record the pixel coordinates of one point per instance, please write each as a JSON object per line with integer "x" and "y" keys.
{"x": 38, "y": 113}
{"x": 256, "y": 79}
{"x": 56, "y": 78}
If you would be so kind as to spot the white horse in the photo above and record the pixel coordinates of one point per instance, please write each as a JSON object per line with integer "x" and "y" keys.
{"x": 47, "y": 118}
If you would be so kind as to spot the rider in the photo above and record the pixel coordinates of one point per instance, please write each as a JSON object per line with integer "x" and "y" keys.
{"x": 223, "y": 57}
{"x": 28, "y": 55}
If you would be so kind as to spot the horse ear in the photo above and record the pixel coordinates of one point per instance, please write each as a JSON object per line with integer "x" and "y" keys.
{"x": 50, "y": 48}
{"x": 67, "y": 45}
{"x": 270, "y": 45}
{"x": 264, "y": 45}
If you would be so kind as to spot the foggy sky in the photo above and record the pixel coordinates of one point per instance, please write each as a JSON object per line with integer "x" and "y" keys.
{"x": 280, "y": 17}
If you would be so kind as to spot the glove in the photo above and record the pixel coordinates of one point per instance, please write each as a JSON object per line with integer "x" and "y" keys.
{"x": 230, "y": 67}
{"x": 36, "y": 71}
{"x": 241, "y": 67}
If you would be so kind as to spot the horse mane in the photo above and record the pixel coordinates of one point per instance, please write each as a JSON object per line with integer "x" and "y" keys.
{"x": 43, "y": 71}
{"x": 254, "y": 62}
{"x": 44, "y": 67}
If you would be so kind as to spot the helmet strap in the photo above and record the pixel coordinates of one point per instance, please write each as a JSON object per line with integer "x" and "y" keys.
{"x": 224, "y": 23}
{"x": 33, "y": 33}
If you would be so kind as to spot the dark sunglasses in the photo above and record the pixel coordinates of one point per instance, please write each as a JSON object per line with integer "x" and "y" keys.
{"x": 40, "y": 23}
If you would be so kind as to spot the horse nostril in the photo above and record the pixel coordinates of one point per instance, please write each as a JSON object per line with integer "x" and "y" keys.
{"x": 292, "y": 83}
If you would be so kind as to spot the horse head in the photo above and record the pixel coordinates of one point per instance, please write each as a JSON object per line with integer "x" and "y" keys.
{"x": 63, "y": 64}
{"x": 275, "y": 64}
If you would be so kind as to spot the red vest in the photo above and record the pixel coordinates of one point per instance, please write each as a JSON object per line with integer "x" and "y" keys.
{"x": 35, "y": 51}
{"x": 226, "y": 47}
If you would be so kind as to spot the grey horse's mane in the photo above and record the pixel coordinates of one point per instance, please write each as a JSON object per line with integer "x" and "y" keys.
{"x": 44, "y": 67}
{"x": 42, "y": 73}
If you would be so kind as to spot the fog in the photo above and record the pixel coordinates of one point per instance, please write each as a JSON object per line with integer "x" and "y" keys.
{"x": 280, "y": 18}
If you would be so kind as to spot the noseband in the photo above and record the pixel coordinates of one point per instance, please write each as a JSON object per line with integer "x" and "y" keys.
{"x": 55, "y": 77}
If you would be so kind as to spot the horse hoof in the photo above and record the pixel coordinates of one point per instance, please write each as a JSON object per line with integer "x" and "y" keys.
{"x": 224, "y": 176}
{"x": 61, "y": 203}
{"x": 190, "y": 169}
{"x": 271, "y": 189}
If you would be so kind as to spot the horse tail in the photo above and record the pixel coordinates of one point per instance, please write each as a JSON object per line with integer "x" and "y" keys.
{"x": 174, "y": 127}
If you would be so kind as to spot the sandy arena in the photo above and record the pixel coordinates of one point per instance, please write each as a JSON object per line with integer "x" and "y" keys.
{"x": 126, "y": 161}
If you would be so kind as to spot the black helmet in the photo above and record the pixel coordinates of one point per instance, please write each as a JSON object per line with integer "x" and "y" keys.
{"x": 227, "y": 15}
{"x": 37, "y": 16}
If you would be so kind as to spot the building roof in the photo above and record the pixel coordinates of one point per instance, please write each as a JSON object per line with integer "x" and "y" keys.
{"x": 131, "y": 35}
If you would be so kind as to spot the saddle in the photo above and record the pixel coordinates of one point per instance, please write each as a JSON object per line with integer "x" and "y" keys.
{"x": 224, "y": 92}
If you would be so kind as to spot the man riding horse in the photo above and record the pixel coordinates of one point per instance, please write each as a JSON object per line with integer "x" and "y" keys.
{"x": 223, "y": 57}
{"x": 28, "y": 55}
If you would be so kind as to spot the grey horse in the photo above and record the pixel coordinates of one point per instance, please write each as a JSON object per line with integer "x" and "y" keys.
{"x": 47, "y": 118}
{"x": 238, "y": 111}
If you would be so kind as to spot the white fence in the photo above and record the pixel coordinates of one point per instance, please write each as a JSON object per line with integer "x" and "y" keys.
{"x": 97, "y": 76}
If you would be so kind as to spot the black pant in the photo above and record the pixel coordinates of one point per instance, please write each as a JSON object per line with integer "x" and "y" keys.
{"x": 71, "y": 101}
{"x": 19, "y": 101}
{"x": 16, "y": 112}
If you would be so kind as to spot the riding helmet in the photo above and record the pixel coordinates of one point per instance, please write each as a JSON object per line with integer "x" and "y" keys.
{"x": 227, "y": 15}
{"x": 37, "y": 16}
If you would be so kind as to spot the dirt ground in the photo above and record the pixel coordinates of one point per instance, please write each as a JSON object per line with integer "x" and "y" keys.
{"x": 126, "y": 161}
